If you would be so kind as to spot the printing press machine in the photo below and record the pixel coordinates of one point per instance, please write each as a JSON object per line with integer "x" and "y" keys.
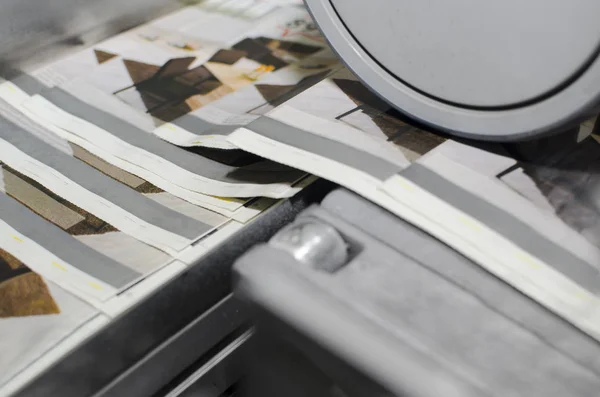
{"x": 321, "y": 282}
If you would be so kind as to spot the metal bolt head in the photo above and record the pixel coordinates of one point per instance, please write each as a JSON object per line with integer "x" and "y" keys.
{"x": 313, "y": 243}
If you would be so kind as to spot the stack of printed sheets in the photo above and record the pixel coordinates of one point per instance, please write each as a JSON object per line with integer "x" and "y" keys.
{"x": 126, "y": 161}
{"x": 112, "y": 180}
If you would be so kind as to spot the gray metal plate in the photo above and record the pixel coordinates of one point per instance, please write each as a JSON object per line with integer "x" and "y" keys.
{"x": 569, "y": 104}
{"x": 415, "y": 316}
{"x": 477, "y": 53}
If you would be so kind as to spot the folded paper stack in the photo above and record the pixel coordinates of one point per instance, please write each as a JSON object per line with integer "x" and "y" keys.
{"x": 116, "y": 172}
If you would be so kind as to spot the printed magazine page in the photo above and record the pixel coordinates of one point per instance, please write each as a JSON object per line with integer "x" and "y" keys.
{"x": 35, "y": 315}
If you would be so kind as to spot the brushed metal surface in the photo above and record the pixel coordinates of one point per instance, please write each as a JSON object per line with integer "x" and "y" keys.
{"x": 32, "y": 31}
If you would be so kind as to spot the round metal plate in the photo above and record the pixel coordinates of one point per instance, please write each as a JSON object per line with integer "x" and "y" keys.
{"x": 477, "y": 53}
{"x": 570, "y": 102}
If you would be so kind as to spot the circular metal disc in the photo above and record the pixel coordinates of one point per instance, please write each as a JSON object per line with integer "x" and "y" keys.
{"x": 477, "y": 53}
{"x": 500, "y": 70}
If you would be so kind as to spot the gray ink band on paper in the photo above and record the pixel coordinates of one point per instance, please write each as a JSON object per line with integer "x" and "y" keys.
{"x": 198, "y": 126}
{"x": 137, "y": 137}
{"x": 63, "y": 245}
{"x": 507, "y": 225}
{"x": 337, "y": 151}
{"x": 191, "y": 162}
{"x": 102, "y": 185}
{"x": 29, "y": 84}
{"x": 15, "y": 116}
